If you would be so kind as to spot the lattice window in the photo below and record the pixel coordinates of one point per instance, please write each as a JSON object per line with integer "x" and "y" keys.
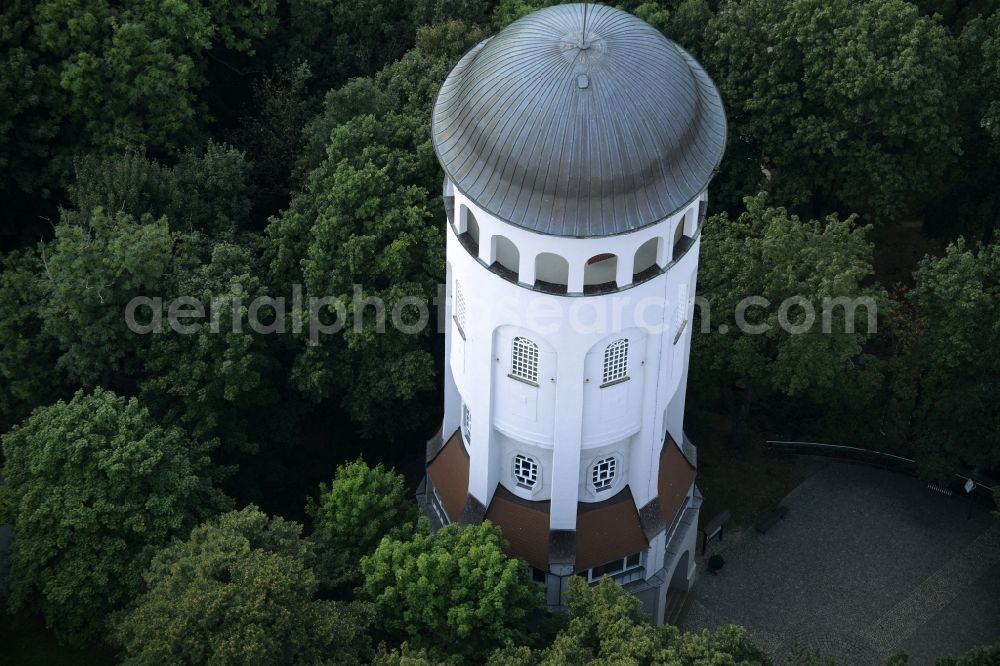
{"x": 525, "y": 471}
{"x": 616, "y": 361}
{"x": 459, "y": 307}
{"x": 603, "y": 473}
{"x": 524, "y": 360}
{"x": 467, "y": 423}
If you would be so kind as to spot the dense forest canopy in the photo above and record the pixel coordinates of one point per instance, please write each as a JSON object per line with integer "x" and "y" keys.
{"x": 225, "y": 151}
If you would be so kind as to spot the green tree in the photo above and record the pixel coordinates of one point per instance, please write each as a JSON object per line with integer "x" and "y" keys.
{"x": 454, "y": 593}
{"x": 947, "y": 375}
{"x": 93, "y": 487}
{"x": 93, "y": 270}
{"x": 342, "y": 40}
{"x": 28, "y": 377}
{"x": 403, "y": 656}
{"x": 982, "y": 655}
{"x": 974, "y": 207}
{"x": 271, "y": 133}
{"x": 606, "y": 626}
{"x": 24, "y": 146}
{"x": 847, "y": 105}
{"x": 106, "y": 76}
{"x": 205, "y": 191}
{"x": 360, "y": 506}
{"x": 367, "y": 218}
{"x": 239, "y": 590}
{"x": 687, "y": 22}
{"x": 368, "y": 215}
{"x": 220, "y": 377}
{"x": 769, "y": 254}
{"x": 407, "y": 87}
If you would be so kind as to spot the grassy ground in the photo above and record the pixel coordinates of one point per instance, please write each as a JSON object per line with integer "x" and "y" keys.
{"x": 25, "y": 641}
{"x": 743, "y": 482}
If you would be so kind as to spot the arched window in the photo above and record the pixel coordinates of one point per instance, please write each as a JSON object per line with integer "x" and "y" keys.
{"x": 524, "y": 360}
{"x": 468, "y": 230}
{"x": 600, "y": 273}
{"x": 506, "y": 258}
{"x": 460, "y": 308}
{"x": 472, "y": 227}
{"x": 644, "y": 264}
{"x": 525, "y": 471}
{"x": 551, "y": 273}
{"x": 602, "y": 475}
{"x": 616, "y": 361}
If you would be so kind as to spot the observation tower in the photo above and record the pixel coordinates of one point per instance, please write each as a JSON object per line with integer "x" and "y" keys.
{"x": 578, "y": 144}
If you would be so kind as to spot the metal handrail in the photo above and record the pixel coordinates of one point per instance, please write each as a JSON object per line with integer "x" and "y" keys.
{"x": 889, "y": 461}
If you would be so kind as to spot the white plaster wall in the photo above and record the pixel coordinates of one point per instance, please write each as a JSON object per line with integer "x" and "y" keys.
{"x": 508, "y": 449}
{"x": 613, "y": 413}
{"x": 524, "y": 412}
{"x": 654, "y": 556}
{"x": 567, "y": 416}
{"x": 590, "y": 456}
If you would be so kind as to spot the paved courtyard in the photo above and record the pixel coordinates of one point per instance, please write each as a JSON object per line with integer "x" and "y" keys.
{"x": 866, "y": 562}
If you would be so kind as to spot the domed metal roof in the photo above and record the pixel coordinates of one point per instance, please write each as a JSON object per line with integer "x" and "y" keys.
{"x": 579, "y": 120}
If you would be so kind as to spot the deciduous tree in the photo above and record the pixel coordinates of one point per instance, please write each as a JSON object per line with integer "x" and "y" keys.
{"x": 367, "y": 218}
{"x": 204, "y": 191}
{"x": 847, "y": 105}
{"x": 948, "y": 371}
{"x": 606, "y": 626}
{"x": 104, "y": 76}
{"x": 28, "y": 376}
{"x": 93, "y": 487}
{"x": 219, "y": 375}
{"x": 801, "y": 267}
{"x": 93, "y": 270}
{"x": 239, "y": 590}
{"x": 454, "y": 592}
{"x": 360, "y": 506}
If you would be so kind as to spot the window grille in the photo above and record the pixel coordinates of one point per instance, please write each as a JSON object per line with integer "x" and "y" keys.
{"x": 460, "y": 307}
{"x": 525, "y": 471}
{"x": 467, "y": 423}
{"x": 603, "y": 473}
{"x": 524, "y": 360}
{"x": 616, "y": 361}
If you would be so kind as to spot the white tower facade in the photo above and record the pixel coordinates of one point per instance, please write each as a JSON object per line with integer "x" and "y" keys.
{"x": 578, "y": 144}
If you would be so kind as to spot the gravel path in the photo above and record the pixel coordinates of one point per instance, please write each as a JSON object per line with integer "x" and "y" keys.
{"x": 866, "y": 562}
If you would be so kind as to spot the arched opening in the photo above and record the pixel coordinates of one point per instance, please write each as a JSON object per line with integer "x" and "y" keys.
{"x": 448, "y": 194}
{"x": 599, "y": 274}
{"x": 506, "y": 258}
{"x": 468, "y": 231}
{"x": 679, "y": 581}
{"x": 551, "y": 273}
{"x": 681, "y": 241}
{"x": 644, "y": 264}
